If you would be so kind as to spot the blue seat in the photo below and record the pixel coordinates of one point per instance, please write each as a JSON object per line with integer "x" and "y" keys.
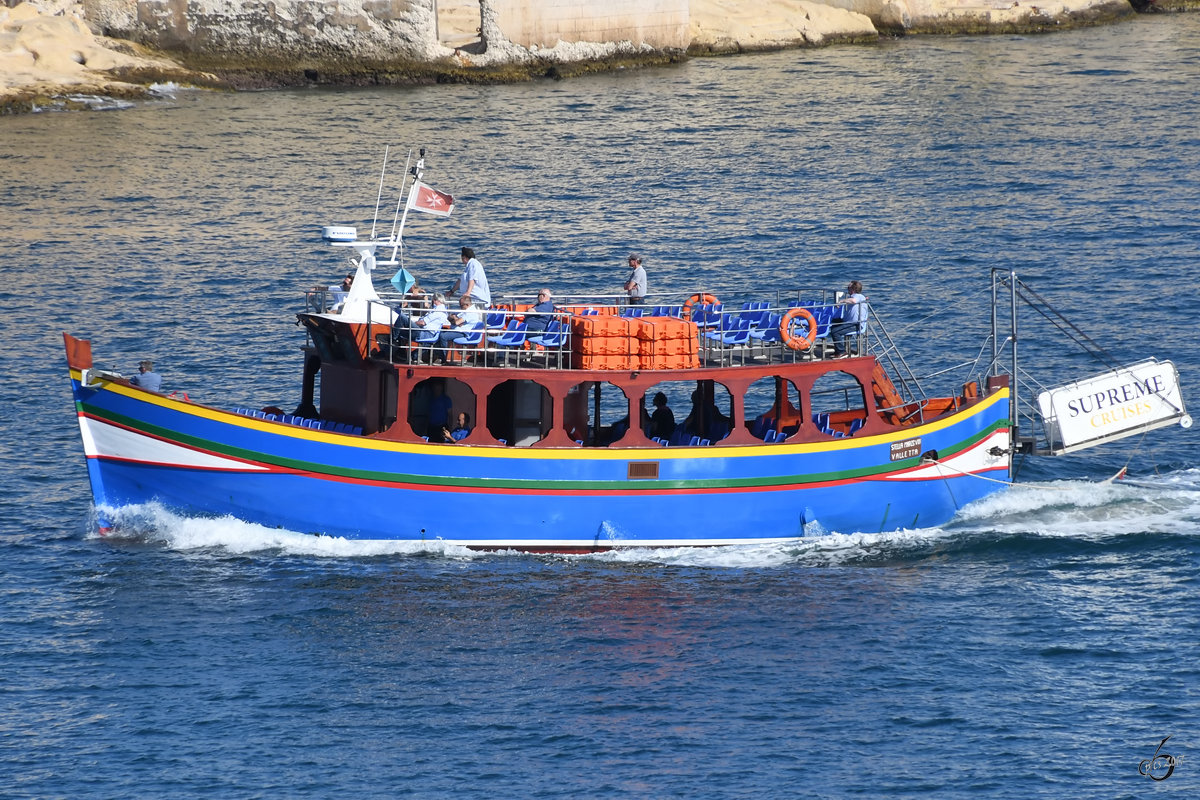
{"x": 496, "y": 319}
{"x": 856, "y": 425}
{"x": 554, "y": 339}
{"x": 632, "y": 311}
{"x": 554, "y": 335}
{"x": 709, "y": 315}
{"x": 740, "y": 334}
{"x": 719, "y": 326}
{"x": 824, "y": 316}
{"x": 473, "y": 336}
{"x": 760, "y": 426}
{"x": 513, "y": 337}
{"x": 768, "y": 331}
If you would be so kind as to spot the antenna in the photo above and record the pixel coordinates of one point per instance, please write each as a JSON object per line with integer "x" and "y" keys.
{"x": 379, "y": 194}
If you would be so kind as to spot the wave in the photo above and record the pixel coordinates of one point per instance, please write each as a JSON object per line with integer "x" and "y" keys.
{"x": 1026, "y": 519}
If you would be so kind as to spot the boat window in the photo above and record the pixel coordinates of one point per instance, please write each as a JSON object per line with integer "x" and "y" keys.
{"x": 596, "y": 413}
{"x": 681, "y": 421}
{"x": 773, "y": 408}
{"x": 709, "y": 413}
{"x": 838, "y": 404}
{"x": 519, "y": 412}
{"x": 435, "y": 404}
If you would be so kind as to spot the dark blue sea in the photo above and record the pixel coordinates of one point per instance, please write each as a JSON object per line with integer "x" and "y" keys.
{"x": 1041, "y": 645}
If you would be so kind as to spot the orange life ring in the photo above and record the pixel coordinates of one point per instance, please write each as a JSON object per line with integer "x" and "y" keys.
{"x": 792, "y": 340}
{"x": 697, "y": 298}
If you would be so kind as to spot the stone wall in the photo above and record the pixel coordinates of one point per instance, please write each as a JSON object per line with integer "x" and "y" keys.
{"x": 661, "y": 24}
{"x": 374, "y": 30}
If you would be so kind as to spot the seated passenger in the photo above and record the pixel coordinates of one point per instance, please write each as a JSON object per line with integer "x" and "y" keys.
{"x": 415, "y": 299}
{"x": 538, "y": 317}
{"x": 462, "y": 321}
{"x": 462, "y": 429}
{"x": 147, "y": 378}
{"x": 662, "y": 421}
{"x": 405, "y": 326}
{"x": 336, "y": 298}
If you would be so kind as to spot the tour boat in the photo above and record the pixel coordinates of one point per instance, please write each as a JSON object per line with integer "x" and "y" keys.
{"x": 773, "y": 437}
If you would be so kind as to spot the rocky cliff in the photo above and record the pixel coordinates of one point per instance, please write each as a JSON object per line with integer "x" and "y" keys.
{"x": 115, "y": 47}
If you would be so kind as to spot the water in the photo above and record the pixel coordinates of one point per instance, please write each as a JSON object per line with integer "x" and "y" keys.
{"x": 1041, "y": 645}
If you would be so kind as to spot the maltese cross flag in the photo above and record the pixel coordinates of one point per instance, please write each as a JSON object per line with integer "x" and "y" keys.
{"x": 429, "y": 200}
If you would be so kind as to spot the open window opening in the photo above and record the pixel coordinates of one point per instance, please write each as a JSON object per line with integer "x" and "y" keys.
{"x": 519, "y": 412}
{"x": 774, "y": 410}
{"x": 596, "y": 414}
{"x": 838, "y": 404}
{"x": 434, "y": 408}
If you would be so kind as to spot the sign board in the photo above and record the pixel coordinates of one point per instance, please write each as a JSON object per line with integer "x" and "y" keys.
{"x": 908, "y": 448}
{"x": 1111, "y": 406}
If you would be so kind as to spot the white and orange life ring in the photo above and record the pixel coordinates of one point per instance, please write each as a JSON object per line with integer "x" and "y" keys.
{"x": 792, "y": 340}
{"x": 707, "y": 299}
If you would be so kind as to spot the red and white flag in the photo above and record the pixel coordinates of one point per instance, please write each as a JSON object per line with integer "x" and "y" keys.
{"x": 429, "y": 200}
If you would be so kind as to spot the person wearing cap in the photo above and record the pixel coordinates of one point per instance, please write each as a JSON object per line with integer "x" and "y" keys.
{"x": 636, "y": 284}
{"x": 473, "y": 283}
{"x": 147, "y": 378}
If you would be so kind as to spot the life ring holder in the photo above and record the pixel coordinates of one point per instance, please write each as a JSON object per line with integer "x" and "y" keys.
{"x": 699, "y": 297}
{"x": 792, "y": 340}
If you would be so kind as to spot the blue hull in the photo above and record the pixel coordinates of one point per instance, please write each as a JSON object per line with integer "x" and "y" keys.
{"x": 194, "y": 459}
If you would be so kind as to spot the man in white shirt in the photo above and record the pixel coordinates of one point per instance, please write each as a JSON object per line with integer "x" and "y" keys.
{"x": 462, "y": 321}
{"x": 473, "y": 283}
{"x": 636, "y": 283}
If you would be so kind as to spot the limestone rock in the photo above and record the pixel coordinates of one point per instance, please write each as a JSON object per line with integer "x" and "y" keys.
{"x": 734, "y": 25}
{"x": 48, "y": 51}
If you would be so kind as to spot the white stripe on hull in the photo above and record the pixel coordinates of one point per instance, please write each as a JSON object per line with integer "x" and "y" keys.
{"x": 101, "y": 439}
{"x": 974, "y": 459}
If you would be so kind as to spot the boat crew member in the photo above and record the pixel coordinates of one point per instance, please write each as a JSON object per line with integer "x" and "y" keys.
{"x": 473, "y": 282}
{"x": 540, "y": 318}
{"x": 852, "y": 322}
{"x": 636, "y": 283}
{"x": 147, "y": 378}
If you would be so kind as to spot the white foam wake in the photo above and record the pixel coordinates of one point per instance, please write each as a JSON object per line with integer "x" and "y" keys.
{"x": 1167, "y": 504}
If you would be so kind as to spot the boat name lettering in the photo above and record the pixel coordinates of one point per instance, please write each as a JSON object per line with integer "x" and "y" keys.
{"x": 908, "y": 448}
{"x": 1132, "y": 390}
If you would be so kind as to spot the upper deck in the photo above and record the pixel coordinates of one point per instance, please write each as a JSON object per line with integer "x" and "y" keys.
{"x": 784, "y": 369}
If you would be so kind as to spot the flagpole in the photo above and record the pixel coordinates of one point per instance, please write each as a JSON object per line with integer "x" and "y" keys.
{"x": 400, "y": 199}
{"x": 379, "y": 194}
{"x": 397, "y": 245}
{"x": 417, "y": 171}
